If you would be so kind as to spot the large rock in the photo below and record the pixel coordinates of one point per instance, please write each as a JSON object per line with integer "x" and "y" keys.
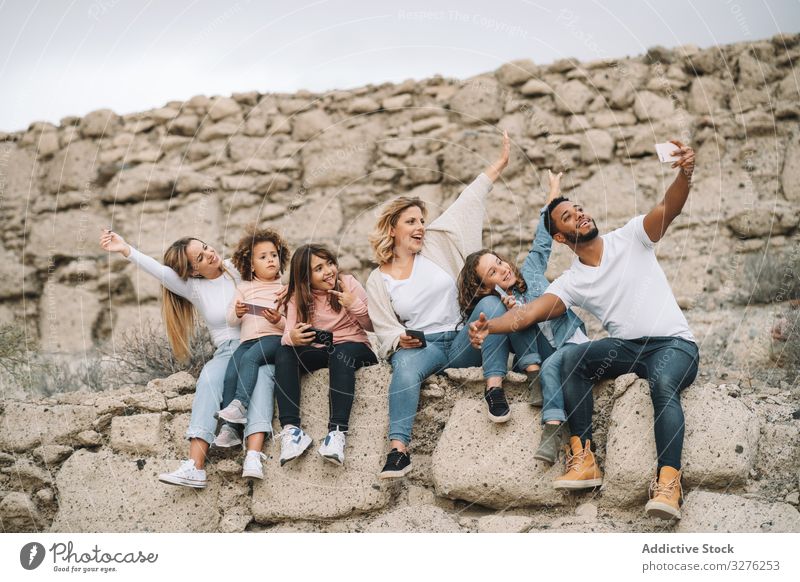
{"x": 74, "y": 168}
{"x": 312, "y": 488}
{"x": 516, "y": 72}
{"x": 310, "y": 124}
{"x": 422, "y": 519}
{"x": 145, "y": 181}
{"x": 649, "y": 106}
{"x": 477, "y": 101}
{"x": 469, "y": 152}
{"x": 597, "y": 146}
{"x": 100, "y": 123}
{"x": 24, "y": 426}
{"x": 140, "y": 434}
{"x": 221, "y": 107}
{"x": 340, "y": 157}
{"x": 764, "y": 221}
{"x": 705, "y": 512}
{"x": 573, "y": 97}
{"x": 501, "y": 472}
{"x": 19, "y": 514}
{"x": 707, "y": 95}
{"x": 66, "y": 234}
{"x": 102, "y": 492}
{"x": 719, "y": 450}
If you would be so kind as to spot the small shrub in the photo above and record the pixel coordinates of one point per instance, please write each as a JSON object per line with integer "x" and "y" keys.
{"x": 771, "y": 278}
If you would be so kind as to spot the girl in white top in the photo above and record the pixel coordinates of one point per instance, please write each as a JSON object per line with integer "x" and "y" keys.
{"x": 414, "y": 288}
{"x": 197, "y": 283}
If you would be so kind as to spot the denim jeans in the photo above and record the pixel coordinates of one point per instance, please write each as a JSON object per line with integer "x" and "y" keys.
{"x": 447, "y": 349}
{"x": 669, "y": 364}
{"x": 242, "y": 371}
{"x": 342, "y": 361}
{"x": 497, "y": 347}
{"x": 550, "y": 377}
{"x": 208, "y": 396}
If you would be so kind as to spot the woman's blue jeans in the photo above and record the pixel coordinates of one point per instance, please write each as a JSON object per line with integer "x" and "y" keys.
{"x": 410, "y": 367}
{"x": 208, "y": 396}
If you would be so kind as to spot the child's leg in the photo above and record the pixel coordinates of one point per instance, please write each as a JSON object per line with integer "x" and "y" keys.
{"x": 232, "y": 372}
{"x": 288, "y": 361}
{"x": 343, "y": 362}
{"x": 494, "y": 351}
{"x": 553, "y": 407}
{"x": 262, "y": 351}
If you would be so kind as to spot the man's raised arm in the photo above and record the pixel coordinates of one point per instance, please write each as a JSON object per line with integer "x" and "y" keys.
{"x": 658, "y": 220}
{"x": 547, "y": 306}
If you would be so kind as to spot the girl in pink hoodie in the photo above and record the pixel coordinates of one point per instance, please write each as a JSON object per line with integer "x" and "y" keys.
{"x": 326, "y": 325}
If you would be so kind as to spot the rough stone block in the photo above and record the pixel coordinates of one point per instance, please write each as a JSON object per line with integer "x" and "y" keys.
{"x": 423, "y": 519}
{"x": 492, "y": 464}
{"x": 23, "y": 426}
{"x": 705, "y": 512}
{"x": 140, "y": 434}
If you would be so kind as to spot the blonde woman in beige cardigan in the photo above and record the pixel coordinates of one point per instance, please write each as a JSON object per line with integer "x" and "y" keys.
{"x": 414, "y": 288}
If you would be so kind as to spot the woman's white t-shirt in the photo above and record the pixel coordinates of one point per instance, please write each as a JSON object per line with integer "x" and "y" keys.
{"x": 428, "y": 300}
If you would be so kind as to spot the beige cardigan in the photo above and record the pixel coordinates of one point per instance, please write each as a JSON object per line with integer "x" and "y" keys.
{"x": 448, "y": 240}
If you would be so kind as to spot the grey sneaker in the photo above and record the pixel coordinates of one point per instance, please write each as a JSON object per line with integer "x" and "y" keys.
{"x": 227, "y": 437}
{"x": 536, "y": 399}
{"x": 235, "y": 412}
{"x": 550, "y": 443}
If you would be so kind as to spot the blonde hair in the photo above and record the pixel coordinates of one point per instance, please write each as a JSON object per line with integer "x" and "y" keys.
{"x": 381, "y": 241}
{"x": 179, "y": 314}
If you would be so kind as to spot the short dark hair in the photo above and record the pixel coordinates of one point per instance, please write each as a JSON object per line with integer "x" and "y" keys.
{"x": 549, "y": 223}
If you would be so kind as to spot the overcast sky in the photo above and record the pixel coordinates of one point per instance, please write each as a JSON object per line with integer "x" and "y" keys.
{"x": 69, "y": 57}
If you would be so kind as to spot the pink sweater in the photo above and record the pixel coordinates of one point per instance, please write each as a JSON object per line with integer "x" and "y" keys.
{"x": 256, "y": 292}
{"x": 347, "y": 326}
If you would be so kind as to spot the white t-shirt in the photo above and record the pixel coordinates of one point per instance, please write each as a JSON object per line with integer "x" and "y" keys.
{"x": 628, "y": 292}
{"x": 427, "y": 301}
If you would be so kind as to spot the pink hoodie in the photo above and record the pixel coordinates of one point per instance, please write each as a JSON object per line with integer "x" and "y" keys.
{"x": 348, "y": 325}
{"x": 257, "y": 292}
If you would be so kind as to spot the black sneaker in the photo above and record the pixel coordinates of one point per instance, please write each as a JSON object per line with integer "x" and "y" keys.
{"x": 398, "y": 464}
{"x": 498, "y": 405}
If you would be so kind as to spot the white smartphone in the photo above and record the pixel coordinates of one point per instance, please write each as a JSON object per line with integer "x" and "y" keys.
{"x": 500, "y": 291}
{"x": 254, "y": 309}
{"x": 664, "y": 151}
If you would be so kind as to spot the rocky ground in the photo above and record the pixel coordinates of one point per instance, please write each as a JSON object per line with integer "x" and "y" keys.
{"x": 317, "y": 167}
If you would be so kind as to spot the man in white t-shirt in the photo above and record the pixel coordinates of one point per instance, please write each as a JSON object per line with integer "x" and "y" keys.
{"x": 617, "y": 278}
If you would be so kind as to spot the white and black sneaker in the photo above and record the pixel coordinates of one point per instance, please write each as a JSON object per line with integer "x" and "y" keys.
{"x": 294, "y": 443}
{"x": 186, "y": 475}
{"x": 498, "y": 405}
{"x": 398, "y": 464}
{"x": 332, "y": 448}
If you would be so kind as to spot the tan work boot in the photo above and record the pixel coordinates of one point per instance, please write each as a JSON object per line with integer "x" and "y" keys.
{"x": 665, "y": 495}
{"x": 582, "y": 471}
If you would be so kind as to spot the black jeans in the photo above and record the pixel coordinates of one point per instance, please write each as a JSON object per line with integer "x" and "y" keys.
{"x": 341, "y": 359}
{"x": 669, "y": 364}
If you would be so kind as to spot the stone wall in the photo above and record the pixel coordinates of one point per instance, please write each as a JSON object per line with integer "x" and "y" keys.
{"x": 318, "y": 167}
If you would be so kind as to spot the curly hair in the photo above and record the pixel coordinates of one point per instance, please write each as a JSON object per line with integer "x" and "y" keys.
{"x": 470, "y": 285}
{"x": 243, "y": 255}
{"x": 382, "y": 243}
{"x": 547, "y": 219}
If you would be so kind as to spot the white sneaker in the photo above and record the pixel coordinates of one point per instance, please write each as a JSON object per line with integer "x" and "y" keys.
{"x": 252, "y": 465}
{"x": 187, "y": 475}
{"x": 235, "y": 412}
{"x": 332, "y": 448}
{"x": 227, "y": 437}
{"x": 294, "y": 443}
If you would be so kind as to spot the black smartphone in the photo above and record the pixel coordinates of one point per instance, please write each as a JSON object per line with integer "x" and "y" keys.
{"x": 322, "y": 336}
{"x": 417, "y": 335}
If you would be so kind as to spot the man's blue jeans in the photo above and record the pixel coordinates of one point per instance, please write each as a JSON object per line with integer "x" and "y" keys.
{"x": 669, "y": 364}
{"x": 550, "y": 377}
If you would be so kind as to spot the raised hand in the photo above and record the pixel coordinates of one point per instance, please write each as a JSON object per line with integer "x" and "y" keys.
{"x": 346, "y": 298}
{"x": 478, "y": 330}
{"x": 555, "y": 186}
{"x": 113, "y": 243}
{"x": 686, "y": 161}
{"x": 494, "y": 171}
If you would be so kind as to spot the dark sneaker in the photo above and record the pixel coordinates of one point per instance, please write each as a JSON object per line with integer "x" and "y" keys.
{"x": 398, "y": 464}
{"x": 498, "y": 405}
